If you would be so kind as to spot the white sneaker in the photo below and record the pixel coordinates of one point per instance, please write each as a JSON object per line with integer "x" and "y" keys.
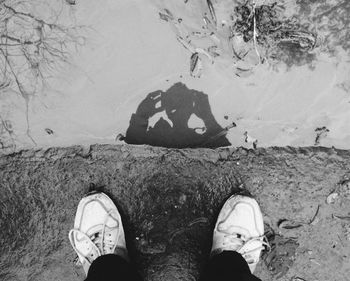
{"x": 240, "y": 228}
{"x": 98, "y": 229}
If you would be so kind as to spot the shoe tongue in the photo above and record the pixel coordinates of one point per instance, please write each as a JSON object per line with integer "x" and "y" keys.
{"x": 96, "y": 238}
{"x": 88, "y": 246}
{"x": 232, "y": 229}
{"x": 107, "y": 240}
{"x": 235, "y": 243}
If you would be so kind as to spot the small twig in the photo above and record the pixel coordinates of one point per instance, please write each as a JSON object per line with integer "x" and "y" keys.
{"x": 314, "y": 217}
{"x": 212, "y": 11}
{"x": 186, "y": 44}
{"x": 198, "y": 220}
{"x": 19, "y": 41}
{"x": 347, "y": 218}
{"x": 223, "y": 132}
{"x": 255, "y": 33}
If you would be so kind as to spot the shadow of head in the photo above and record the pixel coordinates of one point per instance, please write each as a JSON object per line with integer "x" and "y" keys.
{"x": 179, "y": 104}
{"x": 177, "y": 118}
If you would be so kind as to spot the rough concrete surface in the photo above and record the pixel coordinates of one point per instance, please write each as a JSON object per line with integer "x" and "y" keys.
{"x": 169, "y": 201}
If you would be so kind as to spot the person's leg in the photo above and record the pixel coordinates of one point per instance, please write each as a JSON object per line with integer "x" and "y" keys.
{"x": 99, "y": 241}
{"x": 227, "y": 266}
{"x": 238, "y": 240}
{"x": 112, "y": 268}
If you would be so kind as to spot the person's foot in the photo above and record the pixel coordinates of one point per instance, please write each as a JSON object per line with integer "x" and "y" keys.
{"x": 98, "y": 229}
{"x": 240, "y": 228}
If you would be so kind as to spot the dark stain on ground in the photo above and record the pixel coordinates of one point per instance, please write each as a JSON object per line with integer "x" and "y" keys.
{"x": 281, "y": 256}
{"x": 179, "y": 103}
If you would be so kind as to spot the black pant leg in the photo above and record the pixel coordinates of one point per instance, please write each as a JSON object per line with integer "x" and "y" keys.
{"x": 112, "y": 268}
{"x": 227, "y": 266}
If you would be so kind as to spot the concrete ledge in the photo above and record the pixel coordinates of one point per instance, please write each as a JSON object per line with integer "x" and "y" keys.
{"x": 169, "y": 200}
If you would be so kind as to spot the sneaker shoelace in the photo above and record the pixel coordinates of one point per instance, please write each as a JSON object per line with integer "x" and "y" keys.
{"x": 100, "y": 241}
{"x": 237, "y": 243}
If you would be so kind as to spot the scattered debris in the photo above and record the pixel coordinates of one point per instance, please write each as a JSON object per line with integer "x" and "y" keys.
{"x": 291, "y": 224}
{"x": 49, "y": 131}
{"x": 265, "y": 19}
{"x": 196, "y": 66}
{"x": 346, "y": 218}
{"x": 313, "y": 220}
{"x": 212, "y": 11}
{"x": 220, "y": 134}
{"x": 297, "y": 279}
{"x": 187, "y": 45}
{"x": 249, "y": 139}
{"x": 320, "y": 134}
{"x": 246, "y": 30}
{"x": 288, "y": 224}
{"x": 120, "y": 137}
{"x": 345, "y": 180}
{"x": 4, "y": 85}
{"x": 344, "y": 186}
{"x": 332, "y": 197}
{"x": 166, "y": 15}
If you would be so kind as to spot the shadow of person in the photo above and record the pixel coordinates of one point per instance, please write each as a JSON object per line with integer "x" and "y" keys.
{"x": 177, "y": 118}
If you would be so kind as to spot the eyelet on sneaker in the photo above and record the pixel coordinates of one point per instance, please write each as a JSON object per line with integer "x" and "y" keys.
{"x": 240, "y": 231}
{"x": 101, "y": 232}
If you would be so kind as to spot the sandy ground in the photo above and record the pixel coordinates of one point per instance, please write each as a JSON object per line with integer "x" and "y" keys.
{"x": 130, "y": 52}
{"x": 169, "y": 201}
